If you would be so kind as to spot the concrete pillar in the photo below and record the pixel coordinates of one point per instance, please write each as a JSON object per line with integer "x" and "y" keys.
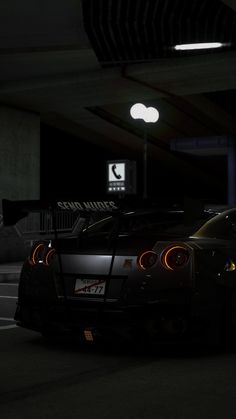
{"x": 19, "y": 154}
{"x": 19, "y": 171}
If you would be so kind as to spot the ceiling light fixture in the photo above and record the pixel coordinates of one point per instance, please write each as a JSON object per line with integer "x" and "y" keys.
{"x": 201, "y": 45}
{"x": 148, "y": 114}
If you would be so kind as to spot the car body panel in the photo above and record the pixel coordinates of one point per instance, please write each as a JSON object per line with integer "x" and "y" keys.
{"x": 145, "y": 272}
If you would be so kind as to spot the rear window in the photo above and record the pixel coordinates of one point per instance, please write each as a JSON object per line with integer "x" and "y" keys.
{"x": 162, "y": 223}
{"x": 221, "y": 226}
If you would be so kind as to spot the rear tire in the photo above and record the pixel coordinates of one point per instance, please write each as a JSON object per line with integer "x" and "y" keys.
{"x": 229, "y": 327}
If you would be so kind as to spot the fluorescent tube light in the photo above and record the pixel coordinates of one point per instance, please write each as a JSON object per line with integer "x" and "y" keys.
{"x": 201, "y": 45}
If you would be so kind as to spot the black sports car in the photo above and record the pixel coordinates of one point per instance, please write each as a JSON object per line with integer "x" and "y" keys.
{"x": 142, "y": 274}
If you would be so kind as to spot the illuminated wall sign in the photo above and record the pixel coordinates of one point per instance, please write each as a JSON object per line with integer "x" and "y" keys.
{"x": 121, "y": 177}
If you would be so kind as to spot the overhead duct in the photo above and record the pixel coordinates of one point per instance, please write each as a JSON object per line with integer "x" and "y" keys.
{"x": 131, "y": 31}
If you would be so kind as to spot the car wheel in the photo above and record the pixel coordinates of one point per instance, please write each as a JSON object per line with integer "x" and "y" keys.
{"x": 216, "y": 331}
{"x": 230, "y": 318}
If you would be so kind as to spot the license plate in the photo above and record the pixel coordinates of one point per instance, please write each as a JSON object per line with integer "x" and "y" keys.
{"x": 89, "y": 286}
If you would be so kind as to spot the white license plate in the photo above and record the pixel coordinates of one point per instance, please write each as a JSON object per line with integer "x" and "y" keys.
{"x": 90, "y": 286}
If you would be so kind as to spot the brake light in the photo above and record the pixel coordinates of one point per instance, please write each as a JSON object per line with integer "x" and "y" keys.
{"x": 41, "y": 252}
{"x": 147, "y": 259}
{"x": 48, "y": 257}
{"x": 175, "y": 257}
{"x": 36, "y": 255}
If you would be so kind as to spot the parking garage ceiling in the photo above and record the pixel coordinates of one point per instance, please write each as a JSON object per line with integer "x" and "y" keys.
{"x": 82, "y": 64}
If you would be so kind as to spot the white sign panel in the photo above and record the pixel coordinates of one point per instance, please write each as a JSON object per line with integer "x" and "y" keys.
{"x": 116, "y": 172}
{"x": 121, "y": 177}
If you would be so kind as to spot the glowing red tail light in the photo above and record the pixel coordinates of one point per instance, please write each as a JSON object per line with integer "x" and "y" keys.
{"x": 37, "y": 252}
{"x": 49, "y": 255}
{"x": 41, "y": 253}
{"x": 175, "y": 257}
{"x": 147, "y": 259}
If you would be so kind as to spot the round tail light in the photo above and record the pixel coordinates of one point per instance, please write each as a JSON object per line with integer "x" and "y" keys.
{"x": 41, "y": 253}
{"x": 48, "y": 257}
{"x": 147, "y": 259}
{"x": 37, "y": 253}
{"x": 175, "y": 257}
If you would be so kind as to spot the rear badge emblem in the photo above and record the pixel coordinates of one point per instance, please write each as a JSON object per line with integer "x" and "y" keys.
{"x": 127, "y": 264}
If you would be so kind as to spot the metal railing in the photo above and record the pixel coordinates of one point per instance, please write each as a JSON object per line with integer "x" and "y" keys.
{"x": 36, "y": 224}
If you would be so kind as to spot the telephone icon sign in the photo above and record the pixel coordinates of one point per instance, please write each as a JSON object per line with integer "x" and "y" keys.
{"x": 121, "y": 177}
{"x": 116, "y": 172}
{"x": 117, "y": 176}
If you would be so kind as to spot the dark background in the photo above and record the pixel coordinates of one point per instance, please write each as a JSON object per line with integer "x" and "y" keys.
{"x": 72, "y": 168}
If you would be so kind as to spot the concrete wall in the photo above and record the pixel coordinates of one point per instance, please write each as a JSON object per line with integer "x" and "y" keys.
{"x": 19, "y": 170}
{"x": 19, "y": 154}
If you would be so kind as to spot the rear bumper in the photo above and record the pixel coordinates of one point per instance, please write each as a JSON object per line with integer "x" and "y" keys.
{"x": 158, "y": 319}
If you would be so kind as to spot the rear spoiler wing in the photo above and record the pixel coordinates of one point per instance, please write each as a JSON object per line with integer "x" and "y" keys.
{"x": 14, "y": 211}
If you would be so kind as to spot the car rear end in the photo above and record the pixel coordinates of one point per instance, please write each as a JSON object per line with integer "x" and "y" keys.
{"x": 130, "y": 276}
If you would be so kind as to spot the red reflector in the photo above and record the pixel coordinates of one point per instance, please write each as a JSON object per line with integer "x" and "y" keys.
{"x": 88, "y": 335}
